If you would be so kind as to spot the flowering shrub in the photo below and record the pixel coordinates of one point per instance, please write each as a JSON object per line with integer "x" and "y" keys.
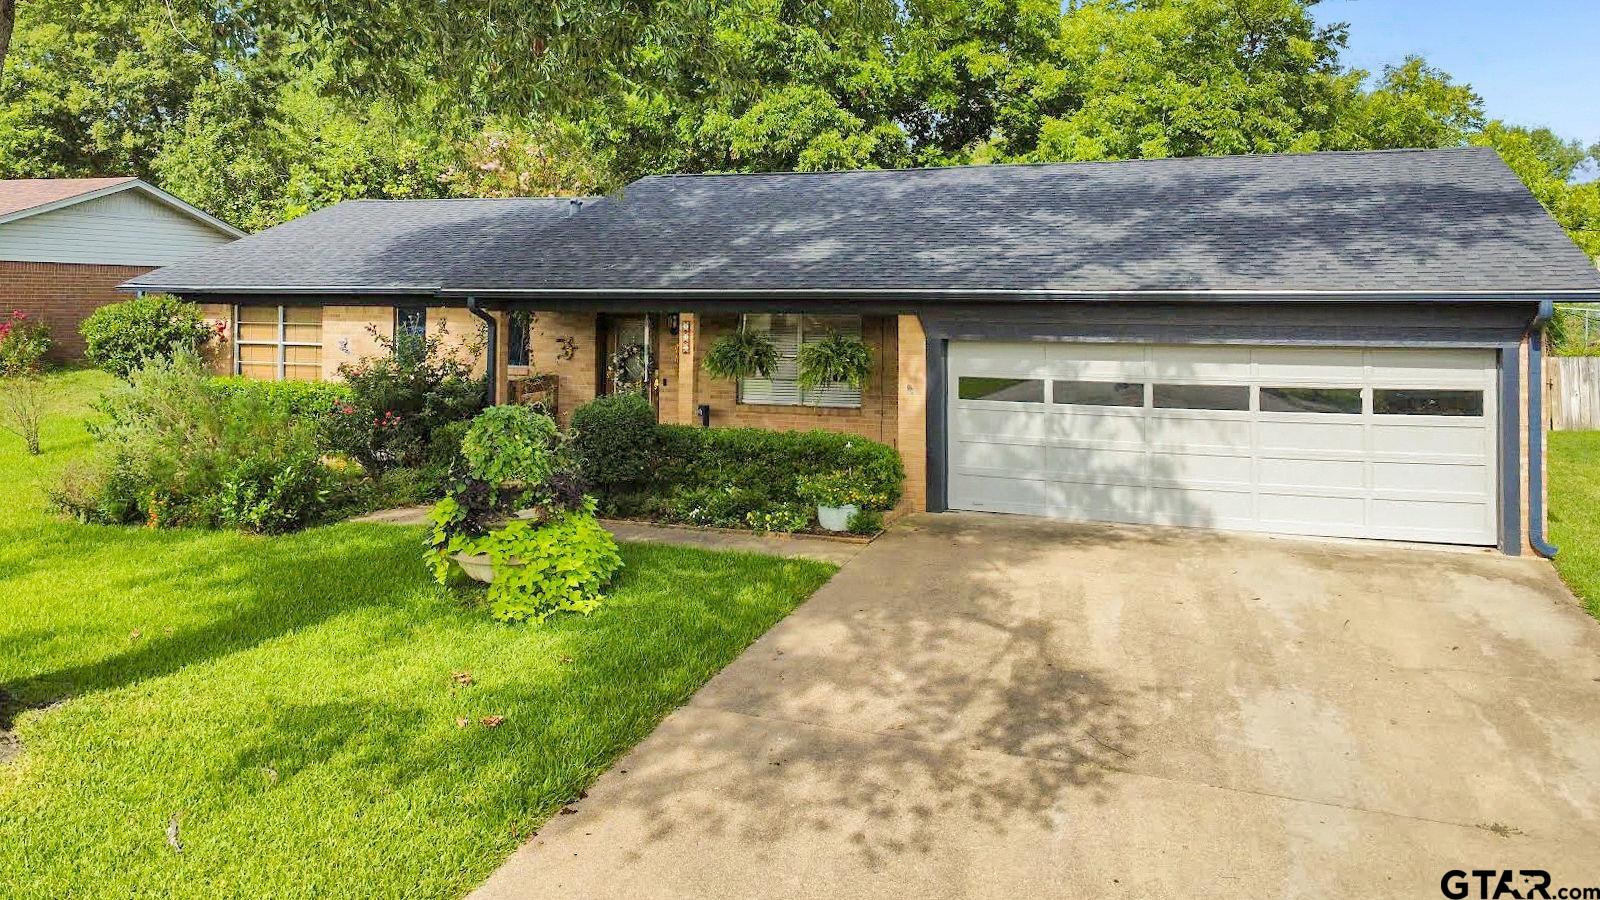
{"x": 842, "y": 488}
{"x": 399, "y": 403}
{"x": 23, "y": 343}
{"x": 120, "y": 337}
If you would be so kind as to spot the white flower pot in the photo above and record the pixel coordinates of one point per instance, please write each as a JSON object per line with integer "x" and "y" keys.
{"x": 479, "y": 567}
{"x": 476, "y": 565}
{"x": 836, "y": 518}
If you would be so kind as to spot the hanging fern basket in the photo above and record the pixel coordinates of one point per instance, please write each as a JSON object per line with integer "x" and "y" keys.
{"x": 836, "y": 359}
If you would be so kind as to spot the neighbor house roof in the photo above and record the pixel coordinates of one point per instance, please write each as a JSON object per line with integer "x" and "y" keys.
{"x": 24, "y": 197}
{"x": 1446, "y": 223}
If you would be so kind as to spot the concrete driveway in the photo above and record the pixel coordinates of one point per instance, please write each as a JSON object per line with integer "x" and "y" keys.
{"x": 986, "y": 706}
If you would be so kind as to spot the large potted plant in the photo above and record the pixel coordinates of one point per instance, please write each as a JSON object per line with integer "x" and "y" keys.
{"x": 838, "y": 496}
{"x": 517, "y": 518}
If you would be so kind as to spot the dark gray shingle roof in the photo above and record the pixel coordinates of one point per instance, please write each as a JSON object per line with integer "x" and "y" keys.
{"x": 377, "y": 246}
{"x": 1441, "y": 221}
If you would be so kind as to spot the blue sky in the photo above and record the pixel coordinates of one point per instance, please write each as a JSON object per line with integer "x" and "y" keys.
{"x": 1535, "y": 62}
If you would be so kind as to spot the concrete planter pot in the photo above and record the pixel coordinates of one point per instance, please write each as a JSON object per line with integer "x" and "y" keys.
{"x": 478, "y": 566}
{"x": 836, "y": 518}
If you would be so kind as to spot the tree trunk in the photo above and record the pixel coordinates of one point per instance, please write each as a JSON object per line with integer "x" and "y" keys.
{"x": 8, "y": 20}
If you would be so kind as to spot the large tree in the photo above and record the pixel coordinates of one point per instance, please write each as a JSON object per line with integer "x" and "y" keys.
{"x": 264, "y": 111}
{"x": 8, "y": 21}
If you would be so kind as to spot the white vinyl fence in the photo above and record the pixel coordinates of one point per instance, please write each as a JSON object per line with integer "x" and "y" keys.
{"x": 1572, "y": 384}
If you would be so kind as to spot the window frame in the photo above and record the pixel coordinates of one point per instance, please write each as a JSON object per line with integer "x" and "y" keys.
{"x": 280, "y": 343}
{"x": 403, "y": 309}
{"x": 801, "y": 397}
{"x": 518, "y": 353}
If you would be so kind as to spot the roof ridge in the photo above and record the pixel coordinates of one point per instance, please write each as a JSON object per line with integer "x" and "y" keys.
{"x": 1468, "y": 148}
{"x": 456, "y": 199}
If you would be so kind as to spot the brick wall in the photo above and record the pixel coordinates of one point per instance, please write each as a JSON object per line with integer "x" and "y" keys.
{"x": 61, "y": 295}
{"x": 576, "y": 375}
{"x": 351, "y": 333}
{"x": 877, "y": 418}
{"x": 912, "y": 439}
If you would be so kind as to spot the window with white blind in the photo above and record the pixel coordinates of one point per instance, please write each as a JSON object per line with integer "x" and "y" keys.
{"x": 789, "y": 332}
{"x": 278, "y": 343}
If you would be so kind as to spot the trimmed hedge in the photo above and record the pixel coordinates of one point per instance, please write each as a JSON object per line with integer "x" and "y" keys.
{"x": 721, "y": 476}
{"x": 298, "y": 398}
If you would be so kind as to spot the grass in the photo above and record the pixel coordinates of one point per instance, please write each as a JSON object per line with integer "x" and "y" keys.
{"x": 289, "y": 703}
{"x": 1574, "y": 491}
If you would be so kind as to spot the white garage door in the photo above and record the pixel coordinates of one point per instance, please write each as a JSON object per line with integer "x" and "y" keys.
{"x": 1396, "y": 444}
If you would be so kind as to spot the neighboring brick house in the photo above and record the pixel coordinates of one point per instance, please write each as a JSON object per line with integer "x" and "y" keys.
{"x": 66, "y": 243}
{"x": 1342, "y": 344}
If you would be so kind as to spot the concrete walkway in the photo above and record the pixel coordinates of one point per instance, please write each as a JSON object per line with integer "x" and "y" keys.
{"x": 984, "y": 706}
{"x": 797, "y": 546}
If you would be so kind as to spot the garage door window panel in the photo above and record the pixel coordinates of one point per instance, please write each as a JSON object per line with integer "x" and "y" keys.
{"x": 1097, "y": 393}
{"x": 1003, "y": 390}
{"x": 1224, "y": 397}
{"x": 1417, "y": 402}
{"x": 1329, "y": 401}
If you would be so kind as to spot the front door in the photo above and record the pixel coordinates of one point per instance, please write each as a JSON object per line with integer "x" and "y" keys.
{"x": 629, "y": 364}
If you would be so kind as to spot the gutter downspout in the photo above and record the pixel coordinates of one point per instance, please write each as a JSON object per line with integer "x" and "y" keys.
{"x": 1536, "y": 536}
{"x": 491, "y": 348}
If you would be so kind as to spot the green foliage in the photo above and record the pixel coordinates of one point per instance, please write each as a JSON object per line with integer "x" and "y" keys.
{"x": 23, "y": 344}
{"x": 741, "y": 354}
{"x": 843, "y": 488}
{"x": 269, "y": 495}
{"x": 865, "y": 522}
{"x": 400, "y": 401}
{"x": 720, "y": 476}
{"x": 24, "y": 341}
{"x": 174, "y": 450}
{"x": 836, "y": 359}
{"x": 541, "y": 567}
{"x": 780, "y": 517}
{"x": 613, "y": 439}
{"x": 286, "y": 679}
{"x": 312, "y": 399}
{"x": 511, "y": 444}
{"x": 121, "y": 337}
{"x": 261, "y": 112}
{"x": 1549, "y": 166}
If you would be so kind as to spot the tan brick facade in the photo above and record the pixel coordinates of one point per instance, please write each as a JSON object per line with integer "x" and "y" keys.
{"x": 912, "y": 436}
{"x": 552, "y": 336}
{"x": 62, "y": 295}
{"x": 891, "y": 408}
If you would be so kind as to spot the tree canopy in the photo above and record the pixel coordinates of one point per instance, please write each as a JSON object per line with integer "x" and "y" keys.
{"x": 261, "y": 112}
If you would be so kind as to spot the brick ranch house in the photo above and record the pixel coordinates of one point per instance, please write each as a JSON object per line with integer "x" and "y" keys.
{"x": 1339, "y": 344}
{"x": 66, "y": 243}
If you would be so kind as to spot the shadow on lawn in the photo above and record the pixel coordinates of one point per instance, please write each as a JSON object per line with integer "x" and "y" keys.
{"x": 265, "y": 588}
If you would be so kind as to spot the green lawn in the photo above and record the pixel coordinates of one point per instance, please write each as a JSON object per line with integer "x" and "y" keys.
{"x": 289, "y": 701}
{"x": 1574, "y": 461}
